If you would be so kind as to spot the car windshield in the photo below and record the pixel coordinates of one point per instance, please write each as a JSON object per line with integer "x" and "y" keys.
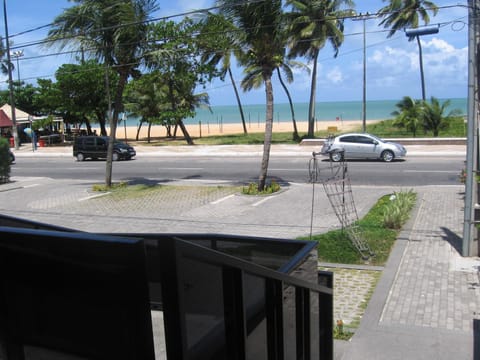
{"x": 377, "y": 138}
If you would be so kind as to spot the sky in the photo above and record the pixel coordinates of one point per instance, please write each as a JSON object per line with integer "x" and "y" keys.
{"x": 392, "y": 64}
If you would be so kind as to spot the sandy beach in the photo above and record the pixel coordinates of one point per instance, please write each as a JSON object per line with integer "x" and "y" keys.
{"x": 203, "y": 130}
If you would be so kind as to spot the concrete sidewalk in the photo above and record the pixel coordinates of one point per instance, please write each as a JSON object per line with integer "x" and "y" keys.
{"x": 427, "y": 303}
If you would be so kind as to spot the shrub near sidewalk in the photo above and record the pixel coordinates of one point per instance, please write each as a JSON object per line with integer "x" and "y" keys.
{"x": 4, "y": 161}
{"x": 379, "y": 228}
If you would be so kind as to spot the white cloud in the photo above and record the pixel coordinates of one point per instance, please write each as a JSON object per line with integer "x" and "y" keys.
{"x": 335, "y": 75}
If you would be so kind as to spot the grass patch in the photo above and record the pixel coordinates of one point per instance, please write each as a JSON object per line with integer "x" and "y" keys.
{"x": 114, "y": 187}
{"x": 252, "y": 189}
{"x": 340, "y": 332}
{"x": 385, "y": 128}
{"x": 335, "y": 246}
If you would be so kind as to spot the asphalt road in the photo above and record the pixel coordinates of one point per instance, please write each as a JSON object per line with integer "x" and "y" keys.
{"x": 413, "y": 171}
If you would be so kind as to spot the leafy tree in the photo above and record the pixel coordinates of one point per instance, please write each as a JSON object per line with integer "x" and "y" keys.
{"x": 313, "y": 23}
{"x": 83, "y": 93}
{"x": 402, "y": 14}
{"x": 177, "y": 58}
{"x": 24, "y": 94}
{"x": 262, "y": 47}
{"x": 409, "y": 114}
{"x": 114, "y": 31}
{"x": 47, "y": 99}
{"x": 146, "y": 97}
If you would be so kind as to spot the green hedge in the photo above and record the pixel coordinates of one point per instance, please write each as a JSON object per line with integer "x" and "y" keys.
{"x": 4, "y": 161}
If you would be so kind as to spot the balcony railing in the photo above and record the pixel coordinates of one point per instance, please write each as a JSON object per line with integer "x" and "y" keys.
{"x": 223, "y": 297}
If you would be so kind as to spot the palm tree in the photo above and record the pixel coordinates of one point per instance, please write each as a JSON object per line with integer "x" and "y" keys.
{"x": 408, "y": 115}
{"x": 114, "y": 31}
{"x": 262, "y": 42}
{"x": 286, "y": 68}
{"x": 313, "y": 23}
{"x": 218, "y": 41}
{"x": 433, "y": 115}
{"x": 255, "y": 81}
{"x": 402, "y": 14}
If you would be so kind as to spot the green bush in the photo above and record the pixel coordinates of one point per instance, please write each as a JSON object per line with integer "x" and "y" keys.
{"x": 397, "y": 210}
{"x": 252, "y": 189}
{"x": 336, "y": 247}
{"x": 4, "y": 161}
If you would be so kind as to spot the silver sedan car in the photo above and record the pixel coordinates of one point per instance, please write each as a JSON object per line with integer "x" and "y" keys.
{"x": 361, "y": 146}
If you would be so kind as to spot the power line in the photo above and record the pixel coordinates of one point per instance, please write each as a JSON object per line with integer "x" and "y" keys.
{"x": 205, "y": 10}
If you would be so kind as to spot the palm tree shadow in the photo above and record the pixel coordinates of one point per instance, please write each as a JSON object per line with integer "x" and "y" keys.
{"x": 453, "y": 239}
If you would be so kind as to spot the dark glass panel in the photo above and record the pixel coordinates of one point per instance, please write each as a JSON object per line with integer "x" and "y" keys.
{"x": 204, "y": 314}
{"x": 256, "y": 344}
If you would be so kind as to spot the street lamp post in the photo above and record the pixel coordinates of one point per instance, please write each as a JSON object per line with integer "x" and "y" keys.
{"x": 18, "y": 54}
{"x": 416, "y": 33}
{"x": 364, "y": 18}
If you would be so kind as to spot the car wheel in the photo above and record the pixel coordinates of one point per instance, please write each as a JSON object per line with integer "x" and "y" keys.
{"x": 80, "y": 157}
{"x": 115, "y": 156}
{"x": 336, "y": 156}
{"x": 387, "y": 156}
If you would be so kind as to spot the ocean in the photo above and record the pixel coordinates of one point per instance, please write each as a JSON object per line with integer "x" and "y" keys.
{"x": 325, "y": 111}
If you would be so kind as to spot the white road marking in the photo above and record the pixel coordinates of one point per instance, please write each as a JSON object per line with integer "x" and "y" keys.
{"x": 222, "y": 199}
{"x": 93, "y": 196}
{"x": 263, "y": 200}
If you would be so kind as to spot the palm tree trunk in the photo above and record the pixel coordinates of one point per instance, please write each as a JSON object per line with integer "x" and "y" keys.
{"x": 113, "y": 125}
{"x": 268, "y": 132}
{"x": 295, "y": 131}
{"x": 238, "y": 100}
{"x": 180, "y": 123}
{"x": 313, "y": 92}
{"x": 420, "y": 58}
{"x": 185, "y": 132}
{"x": 138, "y": 129}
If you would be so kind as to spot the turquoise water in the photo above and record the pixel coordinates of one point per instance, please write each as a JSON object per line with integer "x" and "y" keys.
{"x": 325, "y": 111}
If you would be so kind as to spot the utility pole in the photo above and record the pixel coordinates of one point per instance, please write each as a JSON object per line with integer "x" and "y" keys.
{"x": 364, "y": 18}
{"x": 470, "y": 242}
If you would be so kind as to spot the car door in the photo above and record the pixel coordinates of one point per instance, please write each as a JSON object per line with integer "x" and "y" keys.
{"x": 88, "y": 146}
{"x": 368, "y": 147}
{"x": 101, "y": 147}
{"x": 351, "y": 146}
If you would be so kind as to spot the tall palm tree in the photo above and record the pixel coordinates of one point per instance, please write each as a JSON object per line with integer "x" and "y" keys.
{"x": 313, "y": 23}
{"x": 115, "y": 32}
{"x": 286, "y": 68}
{"x": 219, "y": 42}
{"x": 262, "y": 41}
{"x": 255, "y": 81}
{"x": 402, "y": 14}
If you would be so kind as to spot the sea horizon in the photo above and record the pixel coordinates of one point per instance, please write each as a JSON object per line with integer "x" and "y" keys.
{"x": 324, "y": 111}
